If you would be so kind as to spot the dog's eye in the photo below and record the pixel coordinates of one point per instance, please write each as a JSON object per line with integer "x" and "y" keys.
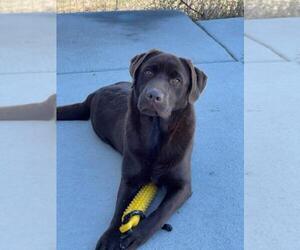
{"x": 175, "y": 81}
{"x": 148, "y": 73}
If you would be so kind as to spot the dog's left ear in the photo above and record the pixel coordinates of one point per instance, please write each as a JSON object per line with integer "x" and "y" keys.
{"x": 138, "y": 60}
{"x": 198, "y": 81}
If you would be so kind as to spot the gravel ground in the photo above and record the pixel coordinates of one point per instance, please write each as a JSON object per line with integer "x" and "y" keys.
{"x": 271, "y": 8}
{"x": 196, "y": 9}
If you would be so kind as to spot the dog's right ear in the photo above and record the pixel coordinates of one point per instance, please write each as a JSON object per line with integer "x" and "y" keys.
{"x": 198, "y": 81}
{"x": 138, "y": 60}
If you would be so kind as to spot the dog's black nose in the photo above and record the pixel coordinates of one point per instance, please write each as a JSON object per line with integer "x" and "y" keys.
{"x": 155, "y": 95}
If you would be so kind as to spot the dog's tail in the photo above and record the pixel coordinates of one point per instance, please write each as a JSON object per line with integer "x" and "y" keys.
{"x": 77, "y": 111}
{"x": 34, "y": 111}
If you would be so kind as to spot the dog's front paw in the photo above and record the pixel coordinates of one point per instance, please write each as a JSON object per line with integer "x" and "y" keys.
{"x": 110, "y": 240}
{"x": 132, "y": 240}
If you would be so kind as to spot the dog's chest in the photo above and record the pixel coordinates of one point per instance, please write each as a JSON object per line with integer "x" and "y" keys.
{"x": 153, "y": 140}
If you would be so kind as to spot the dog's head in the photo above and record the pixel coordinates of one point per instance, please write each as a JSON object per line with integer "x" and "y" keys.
{"x": 163, "y": 83}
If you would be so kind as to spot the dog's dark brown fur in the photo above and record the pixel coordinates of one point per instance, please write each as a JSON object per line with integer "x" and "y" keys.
{"x": 34, "y": 111}
{"x": 151, "y": 122}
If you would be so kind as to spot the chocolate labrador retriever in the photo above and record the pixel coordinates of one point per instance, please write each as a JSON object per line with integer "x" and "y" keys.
{"x": 151, "y": 122}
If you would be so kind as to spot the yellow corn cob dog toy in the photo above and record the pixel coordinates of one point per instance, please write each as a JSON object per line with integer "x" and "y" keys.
{"x": 138, "y": 207}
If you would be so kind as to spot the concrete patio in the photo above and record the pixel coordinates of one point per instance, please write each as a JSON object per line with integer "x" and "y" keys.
{"x": 93, "y": 50}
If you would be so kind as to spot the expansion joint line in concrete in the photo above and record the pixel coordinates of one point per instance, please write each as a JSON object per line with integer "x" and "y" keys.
{"x": 97, "y": 70}
{"x": 126, "y": 68}
{"x": 267, "y": 47}
{"x": 218, "y": 42}
{"x": 27, "y": 72}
